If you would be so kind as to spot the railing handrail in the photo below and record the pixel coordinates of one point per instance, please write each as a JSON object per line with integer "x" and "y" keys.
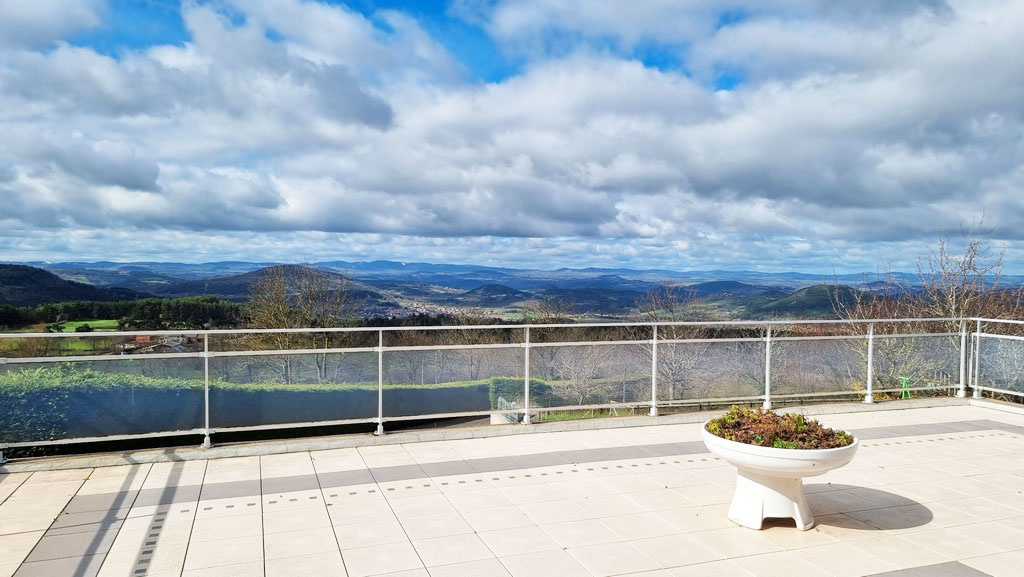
{"x": 306, "y": 330}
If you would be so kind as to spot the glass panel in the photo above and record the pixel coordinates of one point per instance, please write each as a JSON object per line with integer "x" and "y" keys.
{"x": 917, "y": 362}
{"x": 589, "y": 375}
{"x": 452, "y": 381}
{"x": 823, "y": 366}
{"x": 66, "y": 400}
{"x": 1001, "y": 364}
{"x": 94, "y": 344}
{"x": 277, "y": 389}
{"x": 693, "y": 371}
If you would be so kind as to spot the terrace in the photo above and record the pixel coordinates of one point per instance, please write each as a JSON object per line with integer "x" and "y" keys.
{"x": 935, "y": 489}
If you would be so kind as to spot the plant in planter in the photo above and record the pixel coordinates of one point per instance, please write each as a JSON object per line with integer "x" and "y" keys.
{"x": 772, "y": 454}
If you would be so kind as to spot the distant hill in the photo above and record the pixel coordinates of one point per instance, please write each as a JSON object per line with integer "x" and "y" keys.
{"x": 491, "y": 295}
{"x": 29, "y": 286}
{"x": 596, "y": 299}
{"x": 237, "y": 287}
{"x": 814, "y": 301}
{"x": 138, "y": 278}
{"x": 725, "y": 288}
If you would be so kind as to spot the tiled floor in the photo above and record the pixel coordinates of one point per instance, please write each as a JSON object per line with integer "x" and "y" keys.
{"x": 932, "y": 491}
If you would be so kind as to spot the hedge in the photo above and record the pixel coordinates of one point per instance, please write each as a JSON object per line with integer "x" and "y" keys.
{"x": 64, "y": 402}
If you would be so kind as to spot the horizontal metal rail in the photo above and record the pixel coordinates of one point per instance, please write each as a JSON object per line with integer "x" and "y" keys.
{"x": 1005, "y": 321}
{"x": 104, "y": 439}
{"x": 286, "y": 352}
{"x": 93, "y": 358}
{"x": 1000, "y": 391}
{"x": 212, "y": 332}
{"x": 1001, "y": 337}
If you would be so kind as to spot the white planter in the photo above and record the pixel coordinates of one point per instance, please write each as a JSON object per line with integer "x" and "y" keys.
{"x": 769, "y": 481}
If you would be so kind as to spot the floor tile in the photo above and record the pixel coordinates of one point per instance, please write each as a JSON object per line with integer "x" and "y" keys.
{"x": 676, "y": 550}
{"x": 439, "y": 525}
{"x": 366, "y": 534}
{"x": 251, "y": 569}
{"x": 232, "y": 551}
{"x": 580, "y": 533}
{"x": 327, "y": 564}
{"x": 518, "y": 541}
{"x": 154, "y": 560}
{"x": 295, "y": 520}
{"x": 612, "y": 559}
{"x": 555, "y": 563}
{"x": 482, "y": 520}
{"x": 899, "y": 551}
{"x": 296, "y": 543}
{"x": 1006, "y": 564}
{"x": 842, "y": 560}
{"x": 78, "y": 566}
{"x": 781, "y": 564}
{"x": 390, "y": 558}
{"x": 215, "y": 528}
{"x": 73, "y": 545}
{"x": 737, "y": 542}
{"x": 485, "y": 568}
{"x": 452, "y": 549}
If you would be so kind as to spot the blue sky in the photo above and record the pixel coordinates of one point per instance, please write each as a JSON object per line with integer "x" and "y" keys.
{"x": 803, "y": 135}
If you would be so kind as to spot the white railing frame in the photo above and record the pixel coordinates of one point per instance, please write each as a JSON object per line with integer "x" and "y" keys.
{"x": 969, "y": 362}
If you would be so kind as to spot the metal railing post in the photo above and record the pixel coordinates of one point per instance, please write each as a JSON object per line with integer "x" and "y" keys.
{"x": 768, "y": 367}
{"x": 870, "y": 397}
{"x": 526, "y": 376}
{"x": 380, "y": 383}
{"x": 206, "y": 391}
{"x": 977, "y": 360}
{"x": 962, "y": 389}
{"x": 2, "y": 459}
{"x": 654, "y": 371}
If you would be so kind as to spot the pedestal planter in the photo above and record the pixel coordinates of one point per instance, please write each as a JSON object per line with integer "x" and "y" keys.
{"x": 769, "y": 481}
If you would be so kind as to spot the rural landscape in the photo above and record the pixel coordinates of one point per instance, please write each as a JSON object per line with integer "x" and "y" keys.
{"x": 107, "y": 296}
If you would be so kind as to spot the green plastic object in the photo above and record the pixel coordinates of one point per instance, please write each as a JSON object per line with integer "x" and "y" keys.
{"x": 905, "y": 385}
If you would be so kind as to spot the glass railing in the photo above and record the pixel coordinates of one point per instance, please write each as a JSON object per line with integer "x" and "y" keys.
{"x": 67, "y": 388}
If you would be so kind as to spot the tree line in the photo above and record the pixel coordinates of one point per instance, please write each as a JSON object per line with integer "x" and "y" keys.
{"x": 147, "y": 314}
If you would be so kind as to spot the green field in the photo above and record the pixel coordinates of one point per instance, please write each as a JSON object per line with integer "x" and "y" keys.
{"x": 97, "y": 325}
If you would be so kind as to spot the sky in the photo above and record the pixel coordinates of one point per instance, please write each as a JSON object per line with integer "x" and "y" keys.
{"x": 803, "y": 135}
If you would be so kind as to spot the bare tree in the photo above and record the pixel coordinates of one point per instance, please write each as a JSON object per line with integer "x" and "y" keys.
{"x": 951, "y": 284}
{"x": 679, "y": 364}
{"x": 284, "y": 297}
{"x": 579, "y": 371}
{"x": 548, "y": 310}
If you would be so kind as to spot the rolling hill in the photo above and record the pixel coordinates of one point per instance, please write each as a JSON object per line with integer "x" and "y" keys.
{"x": 23, "y": 286}
{"x": 237, "y": 287}
{"x": 816, "y": 301}
{"x": 491, "y": 295}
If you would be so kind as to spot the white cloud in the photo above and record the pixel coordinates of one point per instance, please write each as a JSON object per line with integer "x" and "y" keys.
{"x": 311, "y": 123}
{"x": 39, "y": 23}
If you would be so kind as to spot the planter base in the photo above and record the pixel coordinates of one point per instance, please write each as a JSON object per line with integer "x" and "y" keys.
{"x": 759, "y": 497}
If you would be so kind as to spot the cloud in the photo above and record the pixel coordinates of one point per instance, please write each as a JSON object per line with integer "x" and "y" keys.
{"x": 851, "y": 133}
{"x": 39, "y": 23}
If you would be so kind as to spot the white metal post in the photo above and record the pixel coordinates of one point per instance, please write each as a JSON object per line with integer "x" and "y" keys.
{"x": 962, "y": 389}
{"x": 977, "y": 360}
{"x": 654, "y": 371}
{"x": 2, "y": 459}
{"x": 380, "y": 382}
{"x": 206, "y": 390}
{"x": 526, "y": 376}
{"x": 768, "y": 367}
{"x": 870, "y": 397}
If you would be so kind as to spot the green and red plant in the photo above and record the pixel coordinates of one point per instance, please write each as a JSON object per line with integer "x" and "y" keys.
{"x": 766, "y": 428}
